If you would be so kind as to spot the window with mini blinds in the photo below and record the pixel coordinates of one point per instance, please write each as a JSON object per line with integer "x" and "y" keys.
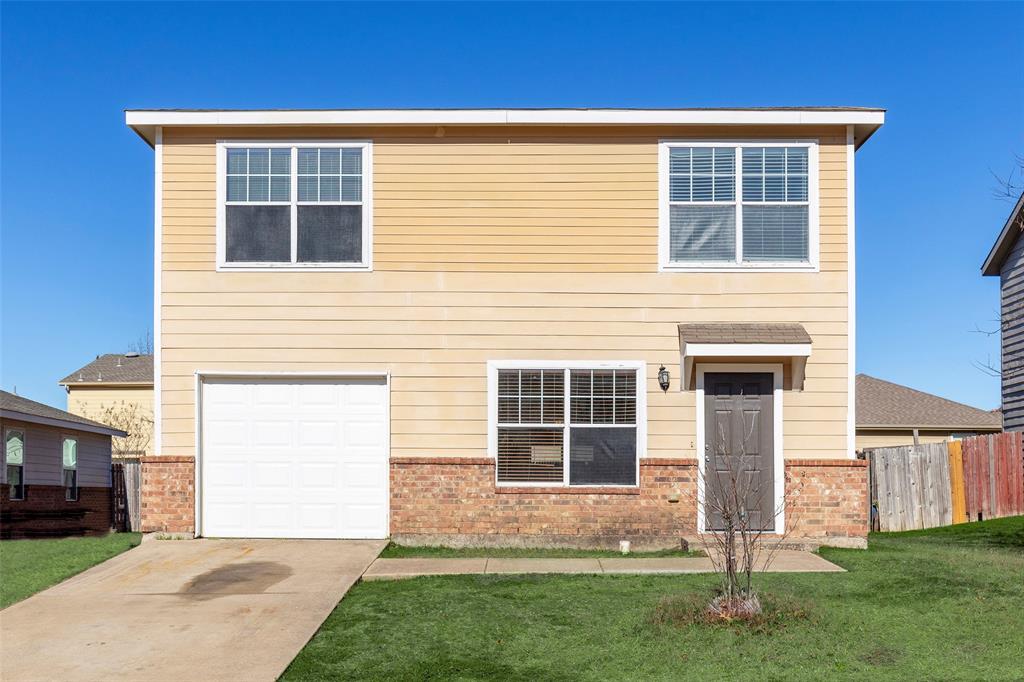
{"x": 297, "y": 205}
{"x": 567, "y": 426}
{"x": 738, "y": 204}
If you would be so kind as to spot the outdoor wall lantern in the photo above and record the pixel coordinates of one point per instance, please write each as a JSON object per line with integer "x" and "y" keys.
{"x": 663, "y": 378}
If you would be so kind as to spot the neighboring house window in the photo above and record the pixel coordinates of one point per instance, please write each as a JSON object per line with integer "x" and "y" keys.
{"x": 70, "y": 449}
{"x": 736, "y": 205}
{"x": 567, "y": 425}
{"x": 294, "y": 205}
{"x": 14, "y": 455}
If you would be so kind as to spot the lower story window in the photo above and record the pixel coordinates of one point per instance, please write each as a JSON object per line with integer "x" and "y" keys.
{"x": 70, "y": 469}
{"x": 567, "y": 426}
{"x": 14, "y": 455}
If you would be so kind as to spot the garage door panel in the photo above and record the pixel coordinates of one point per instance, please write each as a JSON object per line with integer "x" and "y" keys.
{"x": 299, "y": 458}
{"x": 222, "y": 432}
{"x": 322, "y": 433}
{"x": 368, "y": 475}
{"x": 272, "y": 475}
{"x": 360, "y": 519}
{"x": 314, "y": 476}
{"x": 269, "y": 434}
{"x": 226, "y": 475}
{"x": 272, "y": 516}
{"x": 319, "y": 396}
{"x": 273, "y": 395}
{"x": 363, "y": 434}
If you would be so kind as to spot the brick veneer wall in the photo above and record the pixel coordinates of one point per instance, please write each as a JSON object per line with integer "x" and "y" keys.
{"x": 44, "y": 513}
{"x": 454, "y": 501}
{"x": 828, "y": 501}
{"x": 168, "y": 494}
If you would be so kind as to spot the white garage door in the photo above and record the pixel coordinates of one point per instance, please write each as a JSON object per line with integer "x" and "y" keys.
{"x": 294, "y": 458}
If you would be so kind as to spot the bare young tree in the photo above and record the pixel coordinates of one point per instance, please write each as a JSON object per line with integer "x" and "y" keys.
{"x": 131, "y": 419}
{"x": 142, "y": 345}
{"x": 741, "y": 515}
{"x": 1008, "y": 188}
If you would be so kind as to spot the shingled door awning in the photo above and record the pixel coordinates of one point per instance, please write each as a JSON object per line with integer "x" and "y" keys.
{"x": 744, "y": 340}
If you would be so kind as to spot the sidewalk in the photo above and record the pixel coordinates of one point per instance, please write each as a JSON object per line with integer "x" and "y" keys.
{"x": 785, "y": 561}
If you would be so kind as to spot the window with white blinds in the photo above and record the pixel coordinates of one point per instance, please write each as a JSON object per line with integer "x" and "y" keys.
{"x": 730, "y": 204}
{"x": 567, "y": 425}
{"x": 294, "y": 205}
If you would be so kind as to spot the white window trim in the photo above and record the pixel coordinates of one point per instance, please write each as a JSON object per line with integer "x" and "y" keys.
{"x": 779, "y": 463}
{"x": 813, "y": 209}
{"x": 493, "y": 366}
{"x": 367, "y": 192}
{"x": 78, "y": 486}
{"x": 7, "y": 430}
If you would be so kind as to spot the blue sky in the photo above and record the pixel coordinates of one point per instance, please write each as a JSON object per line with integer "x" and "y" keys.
{"x": 76, "y": 241}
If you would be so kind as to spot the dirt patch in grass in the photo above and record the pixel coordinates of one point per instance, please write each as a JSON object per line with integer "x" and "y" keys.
{"x": 881, "y": 656}
{"x": 692, "y": 609}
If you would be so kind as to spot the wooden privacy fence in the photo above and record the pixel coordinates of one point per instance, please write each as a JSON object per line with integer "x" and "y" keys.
{"x": 923, "y": 486}
{"x": 125, "y": 481}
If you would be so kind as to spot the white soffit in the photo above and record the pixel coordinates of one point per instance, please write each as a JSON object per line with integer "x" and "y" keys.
{"x": 691, "y": 353}
{"x": 864, "y": 120}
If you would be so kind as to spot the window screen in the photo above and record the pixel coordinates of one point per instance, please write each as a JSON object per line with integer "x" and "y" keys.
{"x": 532, "y": 434}
{"x": 295, "y": 205}
{"x": 708, "y": 217}
{"x": 258, "y": 234}
{"x": 602, "y": 439}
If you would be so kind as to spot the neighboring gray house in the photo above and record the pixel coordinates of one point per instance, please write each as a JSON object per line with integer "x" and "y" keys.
{"x": 55, "y": 478}
{"x": 1006, "y": 259}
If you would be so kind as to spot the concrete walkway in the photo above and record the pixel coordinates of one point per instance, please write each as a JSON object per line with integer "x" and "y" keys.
{"x": 785, "y": 561}
{"x": 183, "y": 610}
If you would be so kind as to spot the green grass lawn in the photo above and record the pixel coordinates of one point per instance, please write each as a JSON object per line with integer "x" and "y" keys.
{"x": 28, "y": 566}
{"x": 393, "y": 551}
{"x": 935, "y": 605}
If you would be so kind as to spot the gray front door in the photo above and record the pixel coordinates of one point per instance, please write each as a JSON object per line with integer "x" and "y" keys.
{"x": 738, "y": 449}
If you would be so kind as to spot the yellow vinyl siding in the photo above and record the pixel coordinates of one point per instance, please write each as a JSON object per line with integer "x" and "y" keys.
{"x": 91, "y": 401}
{"x": 867, "y": 438}
{"x": 524, "y": 243}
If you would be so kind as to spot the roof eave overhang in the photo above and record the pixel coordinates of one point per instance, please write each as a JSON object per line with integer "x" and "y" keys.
{"x": 864, "y": 121}
{"x": 930, "y": 427}
{"x": 101, "y": 384}
{"x": 1004, "y": 242}
{"x": 690, "y": 353}
{"x": 61, "y": 423}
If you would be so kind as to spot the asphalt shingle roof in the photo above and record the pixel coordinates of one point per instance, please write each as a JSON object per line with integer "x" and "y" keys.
{"x": 883, "y": 403}
{"x": 114, "y": 368}
{"x": 743, "y": 332}
{"x": 16, "y": 403}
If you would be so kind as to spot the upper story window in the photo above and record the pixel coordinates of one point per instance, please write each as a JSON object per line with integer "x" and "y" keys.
{"x": 738, "y": 205}
{"x": 294, "y": 205}
{"x": 14, "y": 455}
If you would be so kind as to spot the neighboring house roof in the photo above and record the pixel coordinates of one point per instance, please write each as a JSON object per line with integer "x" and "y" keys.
{"x": 1004, "y": 243}
{"x": 865, "y": 120}
{"x": 743, "y": 332}
{"x": 13, "y": 406}
{"x": 885, "y": 405}
{"x": 113, "y": 368}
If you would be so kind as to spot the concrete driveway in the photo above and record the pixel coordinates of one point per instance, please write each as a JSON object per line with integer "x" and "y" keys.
{"x": 183, "y": 610}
